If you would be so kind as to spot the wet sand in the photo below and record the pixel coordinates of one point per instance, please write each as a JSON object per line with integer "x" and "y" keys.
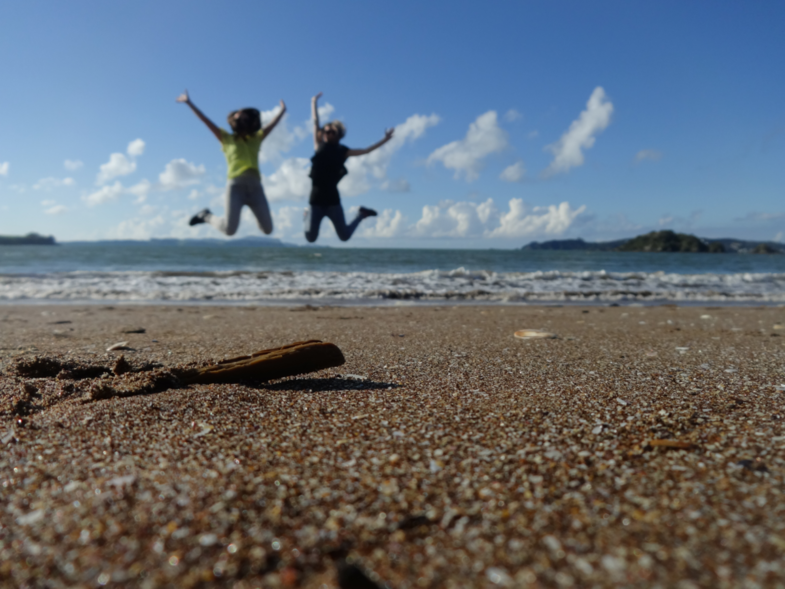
{"x": 642, "y": 447}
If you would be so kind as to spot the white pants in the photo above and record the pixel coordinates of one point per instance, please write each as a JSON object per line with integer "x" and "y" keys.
{"x": 243, "y": 191}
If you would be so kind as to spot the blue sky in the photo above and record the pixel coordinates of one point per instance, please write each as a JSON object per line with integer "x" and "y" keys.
{"x": 515, "y": 121}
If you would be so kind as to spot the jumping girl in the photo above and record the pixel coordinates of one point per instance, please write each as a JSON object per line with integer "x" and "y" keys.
{"x": 244, "y": 186}
{"x": 326, "y": 171}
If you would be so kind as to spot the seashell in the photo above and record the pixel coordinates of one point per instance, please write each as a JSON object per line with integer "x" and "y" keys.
{"x": 534, "y": 334}
{"x": 118, "y": 346}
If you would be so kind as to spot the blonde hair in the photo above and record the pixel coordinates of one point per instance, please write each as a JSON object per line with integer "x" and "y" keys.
{"x": 338, "y": 126}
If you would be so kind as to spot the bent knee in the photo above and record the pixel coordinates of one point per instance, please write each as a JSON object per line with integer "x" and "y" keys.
{"x": 310, "y": 238}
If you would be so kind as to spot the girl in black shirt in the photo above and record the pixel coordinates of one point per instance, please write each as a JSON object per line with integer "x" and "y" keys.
{"x": 326, "y": 171}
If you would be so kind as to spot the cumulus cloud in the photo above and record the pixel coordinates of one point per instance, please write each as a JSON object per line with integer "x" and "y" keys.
{"x": 513, "y": 173}
{"x": 398, "y": 185}
{"x": 51, "y": 183}
{"x": 119, "y": 164}
{"x": 140, "y": 190}
{"x": 72, "y": 165}
{"x": 522, "y": 221}
{"x": 4, "y": 168}
{"x": 648, "y": 154}
{"x": 104, "y": 195}
{"x": 137, "y": 228}
{"x": 282, "y": 139}
{"x": 465, "y": 156}
{"x": 463, "y": 219}
{"x": 364, "y": 169}
{"x": 179, "y": 173}
{"x": 288, "y": 220}
{"x": 56, "y": 210}
{"x": 512, "y": 115}
{"x": 135, "y": 148}
{"x": 290, "y": 181}
{"x": 387, "y": 224}
{"x": 454, "y": 219}
{"x": 568, "y": 151}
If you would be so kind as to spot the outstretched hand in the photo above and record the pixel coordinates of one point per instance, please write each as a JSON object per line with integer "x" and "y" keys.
{"x": 184, "y": 97}
{"x": 388, "y": 133}
{"x": 317, "y": 97}
{"x": 283, "y": 106}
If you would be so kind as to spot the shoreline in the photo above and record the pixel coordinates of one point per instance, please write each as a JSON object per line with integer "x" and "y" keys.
{"x": 644, "y": 445}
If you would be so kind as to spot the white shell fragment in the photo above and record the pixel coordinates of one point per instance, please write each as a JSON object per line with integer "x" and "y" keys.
{"x": 118, "y": 346}
{"x": 534, "y": 334}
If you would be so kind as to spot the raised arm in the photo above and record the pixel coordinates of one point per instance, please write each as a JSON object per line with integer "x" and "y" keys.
{"x": 317, "y": 135}
{"x": 387, "y": 136}
{"x": 275, "y": 120}
{"x": 210, "y": 125}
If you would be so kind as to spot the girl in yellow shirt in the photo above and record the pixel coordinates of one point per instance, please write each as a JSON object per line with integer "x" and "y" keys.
{"x": 244, "y": 186}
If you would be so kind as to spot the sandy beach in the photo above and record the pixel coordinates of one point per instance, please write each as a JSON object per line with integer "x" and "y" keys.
{"x": 642, "y": 446}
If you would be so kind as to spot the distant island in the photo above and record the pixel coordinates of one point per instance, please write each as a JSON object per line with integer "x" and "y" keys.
{"x": 250, "y": 241}
{"x": 29, "y": 239}
{"x": 663, "y": 241}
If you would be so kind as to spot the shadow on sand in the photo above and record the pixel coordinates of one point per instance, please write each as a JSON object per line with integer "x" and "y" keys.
{"x": 327, "y": 384}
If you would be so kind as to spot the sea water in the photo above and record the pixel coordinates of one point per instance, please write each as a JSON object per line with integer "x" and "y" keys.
{"x": 199, "y": 273}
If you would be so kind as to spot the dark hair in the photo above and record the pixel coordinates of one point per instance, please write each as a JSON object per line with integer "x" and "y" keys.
{"x": 248, "y": 123}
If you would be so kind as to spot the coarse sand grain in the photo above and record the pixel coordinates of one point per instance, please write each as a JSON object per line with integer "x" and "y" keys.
{"x": 642, "y": 446}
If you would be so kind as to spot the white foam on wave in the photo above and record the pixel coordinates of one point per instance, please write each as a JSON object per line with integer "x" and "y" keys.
{"x": 426, "y": 285}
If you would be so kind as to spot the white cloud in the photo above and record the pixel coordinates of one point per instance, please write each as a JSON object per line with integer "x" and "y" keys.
{"x": 325, "y": 112}
{"x": 780, "y": 237}
{"x": 118, "y": 165}
{"x": 665, "y": 220}
{"x": 135, "y": 148}
{"x": 512, "y": 115}
{"x": 288, "y": 220}
{"x": 450, "y": 219}
{"x": 290, "y": 181}
{"x": 648, "y": 154}
{"x": 51, "y": 183}
{"x": 522, "y": 221}
{"x": 453, "y": 219}
{"x": 140, "y": 190}
{"x": 281, "y": 139}
{"x": 465, "y": 156}
{"x": 179, "y": 173}
{"x": 374, "y": 165}
{"x": 104, "y": 195}
{"x": 140, "y": 228}
{"x": 398, "y": 185}
{"x": 533, "y": 134}
{"x": 48, "y": 203}
{"x": 194, "y": 194}
{"x": 388, "y": 224}
{"x": 72, "y": 165}
{"x": 4, "y": 168}
{"x": 568, "y": 151}
{"x": 56, "y": 210}
{"x": 513, "y": 173}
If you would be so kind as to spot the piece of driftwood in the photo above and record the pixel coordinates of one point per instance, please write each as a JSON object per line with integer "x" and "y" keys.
{"x": 671, "y": 444}
{"x": 289, "y": 360}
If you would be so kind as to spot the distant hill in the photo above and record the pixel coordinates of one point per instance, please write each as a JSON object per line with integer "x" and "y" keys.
{"x": 576, "y": 244}
{"x": 250, "y": 241}
{"x": 29, "y": 239}
{"x": 663, "y": 241}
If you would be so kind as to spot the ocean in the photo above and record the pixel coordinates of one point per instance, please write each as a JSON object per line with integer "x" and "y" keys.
{"x": 235, "y": 274}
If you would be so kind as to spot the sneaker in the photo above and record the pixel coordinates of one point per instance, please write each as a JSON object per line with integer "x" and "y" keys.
{"x": 200, "y": 217}
{"x": 367, "y": 212}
